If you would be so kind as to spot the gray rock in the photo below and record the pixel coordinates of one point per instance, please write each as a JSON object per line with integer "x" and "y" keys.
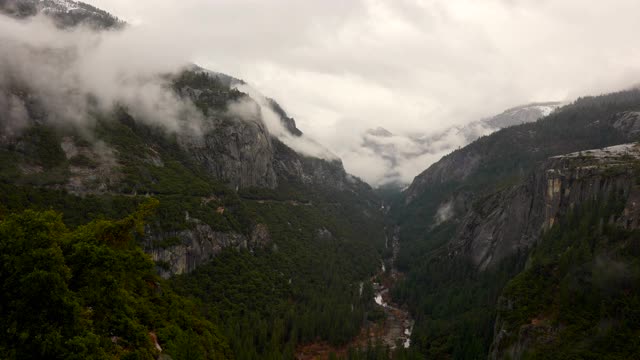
{"x": 514, "y": 219}
{"x": 198, "y": 245}
{"x": 238, "y": 152}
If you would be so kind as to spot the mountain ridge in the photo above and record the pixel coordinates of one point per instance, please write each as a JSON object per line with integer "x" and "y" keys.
{"x": 404, "y": 153}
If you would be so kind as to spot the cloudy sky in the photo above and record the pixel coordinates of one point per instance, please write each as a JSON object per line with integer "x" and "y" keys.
{"x": 411, "y": 66}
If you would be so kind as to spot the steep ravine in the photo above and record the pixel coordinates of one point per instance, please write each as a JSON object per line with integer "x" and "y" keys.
{"x": 398, "y": 324}
{"x": 392, "y": 331}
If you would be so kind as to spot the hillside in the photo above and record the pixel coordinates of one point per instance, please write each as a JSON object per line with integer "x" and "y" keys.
{"x": 578, "y": 294}
{"x": 154, "y": 209}
{"x": 256, "y": 240}
{"x": 402, "y": 154}
{"x": 469, "y": 222}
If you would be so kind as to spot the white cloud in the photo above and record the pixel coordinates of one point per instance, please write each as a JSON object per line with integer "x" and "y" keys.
{"x": 65, "y": 69}
{"x": 411, "y": 66}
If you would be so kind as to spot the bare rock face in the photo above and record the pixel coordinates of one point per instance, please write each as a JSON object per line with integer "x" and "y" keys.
{"x": 529, "y": 140}
{"x": 237, "y": 152}
{"x": 566, "y": 182}
{"x": 260, "y": 236}
{"x": 628, "y": 122}
{"x": 93, "y": 169}
{"x": 514, "y": 219}
{"x": 180, "y": 252}
{"x": 292, "y": 166}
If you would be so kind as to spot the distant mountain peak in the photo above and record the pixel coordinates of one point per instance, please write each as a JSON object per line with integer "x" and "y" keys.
{"x": 65, "y": 13}
{"x": 380, "y": 132}
{"x": 402, "y": 155}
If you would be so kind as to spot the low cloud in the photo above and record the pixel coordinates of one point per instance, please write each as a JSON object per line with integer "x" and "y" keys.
{"x": 258, "y": 106}
{"x": 410, "y": 66}
{"x": 72, "y": 72}
{"x": 383, "y": 158}
{"x": 445, "y": 212}
{"x": 342, "y": 67}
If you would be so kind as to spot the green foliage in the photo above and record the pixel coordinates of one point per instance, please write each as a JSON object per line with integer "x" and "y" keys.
{"x": 82, "y": 161}
{"x": 303, "y": 288}
{"x": 213, "y": 95}
{"x": 454, "y": 304}
{"x": 581, "y": 286}
{"x": 42, "y": 145}
{"x": 90, "y": 293}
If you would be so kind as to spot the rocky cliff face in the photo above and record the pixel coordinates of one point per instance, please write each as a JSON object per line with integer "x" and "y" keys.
{"x": 294, "y": 167}
{"x": 220, "y": 147}
{"x": 566, "y": 183}
{"x": 126, "y": 157}
{"x": 238, "y": 152}
{"x": 179, "y": 252}
{"x": 516, "y": 147}
{"x": 501, "y": 224}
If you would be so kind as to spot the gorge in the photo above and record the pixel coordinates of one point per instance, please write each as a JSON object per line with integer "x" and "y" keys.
{"x": 183, "y": 215}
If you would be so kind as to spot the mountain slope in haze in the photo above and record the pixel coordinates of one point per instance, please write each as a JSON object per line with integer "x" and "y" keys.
{"x": 402, "y": 154}
{"x": 65, "y": 13}
{"x": 261, "y": 238}
{"x": 469, "y": 221}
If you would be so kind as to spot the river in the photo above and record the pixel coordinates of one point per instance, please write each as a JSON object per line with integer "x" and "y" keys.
{"x": 394, "y": 330}
{"x": 398, "y": 324}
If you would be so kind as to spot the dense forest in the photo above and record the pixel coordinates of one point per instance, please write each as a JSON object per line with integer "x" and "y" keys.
{"x": 454, "y": 302}
{"x": 578, "y": 296}
{"x": 251, "y": 302}
{"x": 89, "y": 292}
{"x": 124, "y": 238}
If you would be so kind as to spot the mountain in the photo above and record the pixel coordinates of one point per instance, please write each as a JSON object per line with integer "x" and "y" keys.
{"x": 522, "y": 114}
{"x": 65, "y": 13}
{"x": 402, "y": 154}
{"x": 182, "y": 214}
{"x": 579, "y": 288}
{"x": 208, "y": 228}
{"x": 472, "y": 225}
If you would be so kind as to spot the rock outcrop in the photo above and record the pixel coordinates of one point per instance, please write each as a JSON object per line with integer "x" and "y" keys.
{"x": 568, "y": 181}
{"x": 179, "y": 252}
{"x": 505, "y": 222}
{"x": 514, "y": 149}
{"x": 238, "y": 152}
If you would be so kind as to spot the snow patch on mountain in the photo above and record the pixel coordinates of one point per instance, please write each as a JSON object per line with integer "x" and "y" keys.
{"x": 383, "y": 158}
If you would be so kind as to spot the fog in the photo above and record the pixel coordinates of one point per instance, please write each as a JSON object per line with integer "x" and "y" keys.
{"x": 414, "y": 67}
{"x": 74, "y": 71}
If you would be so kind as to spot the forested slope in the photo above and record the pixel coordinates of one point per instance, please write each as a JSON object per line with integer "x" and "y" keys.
{"x": 470, "y": 220}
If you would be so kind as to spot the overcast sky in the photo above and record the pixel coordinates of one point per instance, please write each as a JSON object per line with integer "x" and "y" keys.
{"x": 340, "y": 67}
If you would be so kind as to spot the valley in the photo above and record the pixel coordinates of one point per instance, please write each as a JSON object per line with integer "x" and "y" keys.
{"x": 397, "y": 326}
{"x": 171, "y": 212}
{"x": 390, "y": 330}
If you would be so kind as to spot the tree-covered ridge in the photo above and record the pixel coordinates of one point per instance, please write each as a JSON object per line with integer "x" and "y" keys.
{"x": 454, "y": 303}
{"x": 303, "y": 288}
{"x": 65, "y": 13}
{"x": 578, "y": 296}
{"x": 301, "y": 285}
{"x": 91, "y": 293}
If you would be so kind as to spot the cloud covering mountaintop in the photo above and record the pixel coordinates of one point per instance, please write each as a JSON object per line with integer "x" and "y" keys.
{"x": 409, "y": 66}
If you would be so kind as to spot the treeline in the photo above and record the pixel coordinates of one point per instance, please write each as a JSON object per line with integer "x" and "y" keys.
{"x": 580, "y": 293}
{"x": 91, "y": 293}
{"x": 453, "y": 303}
{"x": 303, "y": 288}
